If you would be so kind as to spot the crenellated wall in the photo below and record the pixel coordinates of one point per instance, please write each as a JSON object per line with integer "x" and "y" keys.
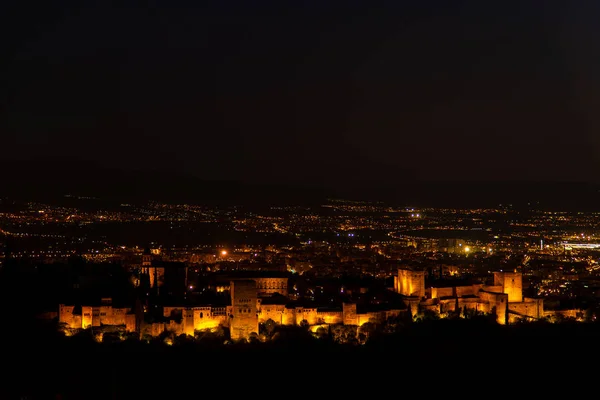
{"x": 331, "y": 317}
{"x": 442, "y": 292}
{"x": 304, "y": 314}
{"x": 95, "y": 316}
{"x": 532, "y": 308}
{"x": 271, "y": 311}
{"x": 194, "y": 319}
{"x": 495, "y": 302}
{"x": 460, "y": 291}
{"x": 349, "y": 316}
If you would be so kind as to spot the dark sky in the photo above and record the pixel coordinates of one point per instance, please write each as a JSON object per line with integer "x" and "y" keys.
{"x": 299, "y": 91}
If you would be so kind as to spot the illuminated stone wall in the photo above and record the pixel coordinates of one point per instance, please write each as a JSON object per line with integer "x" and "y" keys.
{"x": 495, "y": 302}
{"x": 131, "y": 323}
{"x": 270, "y": 286}
{"x": 244, "y": 318}
{"x": 289, "y": 316}
{"x": 429, "y": 305}
{"x": 413, "y": 304}
{"x": 271, "y": 311}
{"x": 532, "y": 308}
{"x": 330, "y": 317}
{"x": 442, "y": 292}
{"x": 96, "y": 316}
{"x": 153, "y": 329}
{"x": 67, "y": 316}
{"x": 411, "y": 283}
{"x": 461, "y": 291}
{"x": 197, "y": 318}
{"x": 187, "y": 320}
{"x": 448, "y": 305}
{"x": 349, "y": 314}
{"x": 295, "y": 316}
{"x": 492, "y": 289}
{"x": 208, "y": 318}
{"x": 87, "y": 317}
{"x": 178, "y": 328}
{"x": 304, "y": 314}
{"x": 469, "y": 303}
{"x": 512, "y": 284}
{"x": 470, "y": 290}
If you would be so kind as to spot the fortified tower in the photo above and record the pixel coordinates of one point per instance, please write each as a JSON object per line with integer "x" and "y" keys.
{"x": 243, "y": 317}
{"x": 512, "y": 285}
{"x": 410, "y": 283}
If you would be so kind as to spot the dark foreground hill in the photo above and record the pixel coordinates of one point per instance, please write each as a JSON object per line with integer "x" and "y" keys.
{"x": 438, "y": 358}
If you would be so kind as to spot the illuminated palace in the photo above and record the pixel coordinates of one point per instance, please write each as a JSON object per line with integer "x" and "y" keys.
{"x": 504, "y": 298}
{"x": 252, "y": 304}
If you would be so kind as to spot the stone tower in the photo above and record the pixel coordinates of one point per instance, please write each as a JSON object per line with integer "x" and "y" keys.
{"x": 410, "y": 283}
{"x": 244, "y": 313}
{"x": 511, "y": 283}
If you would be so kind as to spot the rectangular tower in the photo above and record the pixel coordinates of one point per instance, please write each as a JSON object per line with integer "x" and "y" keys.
{"x": 244, "y": 314}
{"x": 410, "y": 283}
{"x": 512, "y": 285}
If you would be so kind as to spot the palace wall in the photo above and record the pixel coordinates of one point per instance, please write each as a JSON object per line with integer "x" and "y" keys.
{"x": 470, "y": 290}
{"x": 97, "y": 316}
{"x": 441, "y": 292}
{"x": 330, "y": 317}
{"x": 271, "y": 311}
{"x": 495, "y": 302}
{"x": 457, "y": 291}
{"x": 270, "y": 286}
{"x": 349, "y": 316}
{"x": 533, "y": 308}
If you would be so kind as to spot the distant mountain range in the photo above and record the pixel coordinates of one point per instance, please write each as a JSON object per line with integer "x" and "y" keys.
{"x": 41, "y": 181}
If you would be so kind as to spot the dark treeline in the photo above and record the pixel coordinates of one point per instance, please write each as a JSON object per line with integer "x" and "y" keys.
{"x": 404, "y": 354}
{"x": 43, "y": 362}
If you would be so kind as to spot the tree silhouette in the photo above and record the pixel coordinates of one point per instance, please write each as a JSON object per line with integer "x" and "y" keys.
{"x": 267, "y": 328}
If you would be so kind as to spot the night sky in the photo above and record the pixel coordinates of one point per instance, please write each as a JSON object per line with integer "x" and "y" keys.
{"x": 339, "y": 93}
